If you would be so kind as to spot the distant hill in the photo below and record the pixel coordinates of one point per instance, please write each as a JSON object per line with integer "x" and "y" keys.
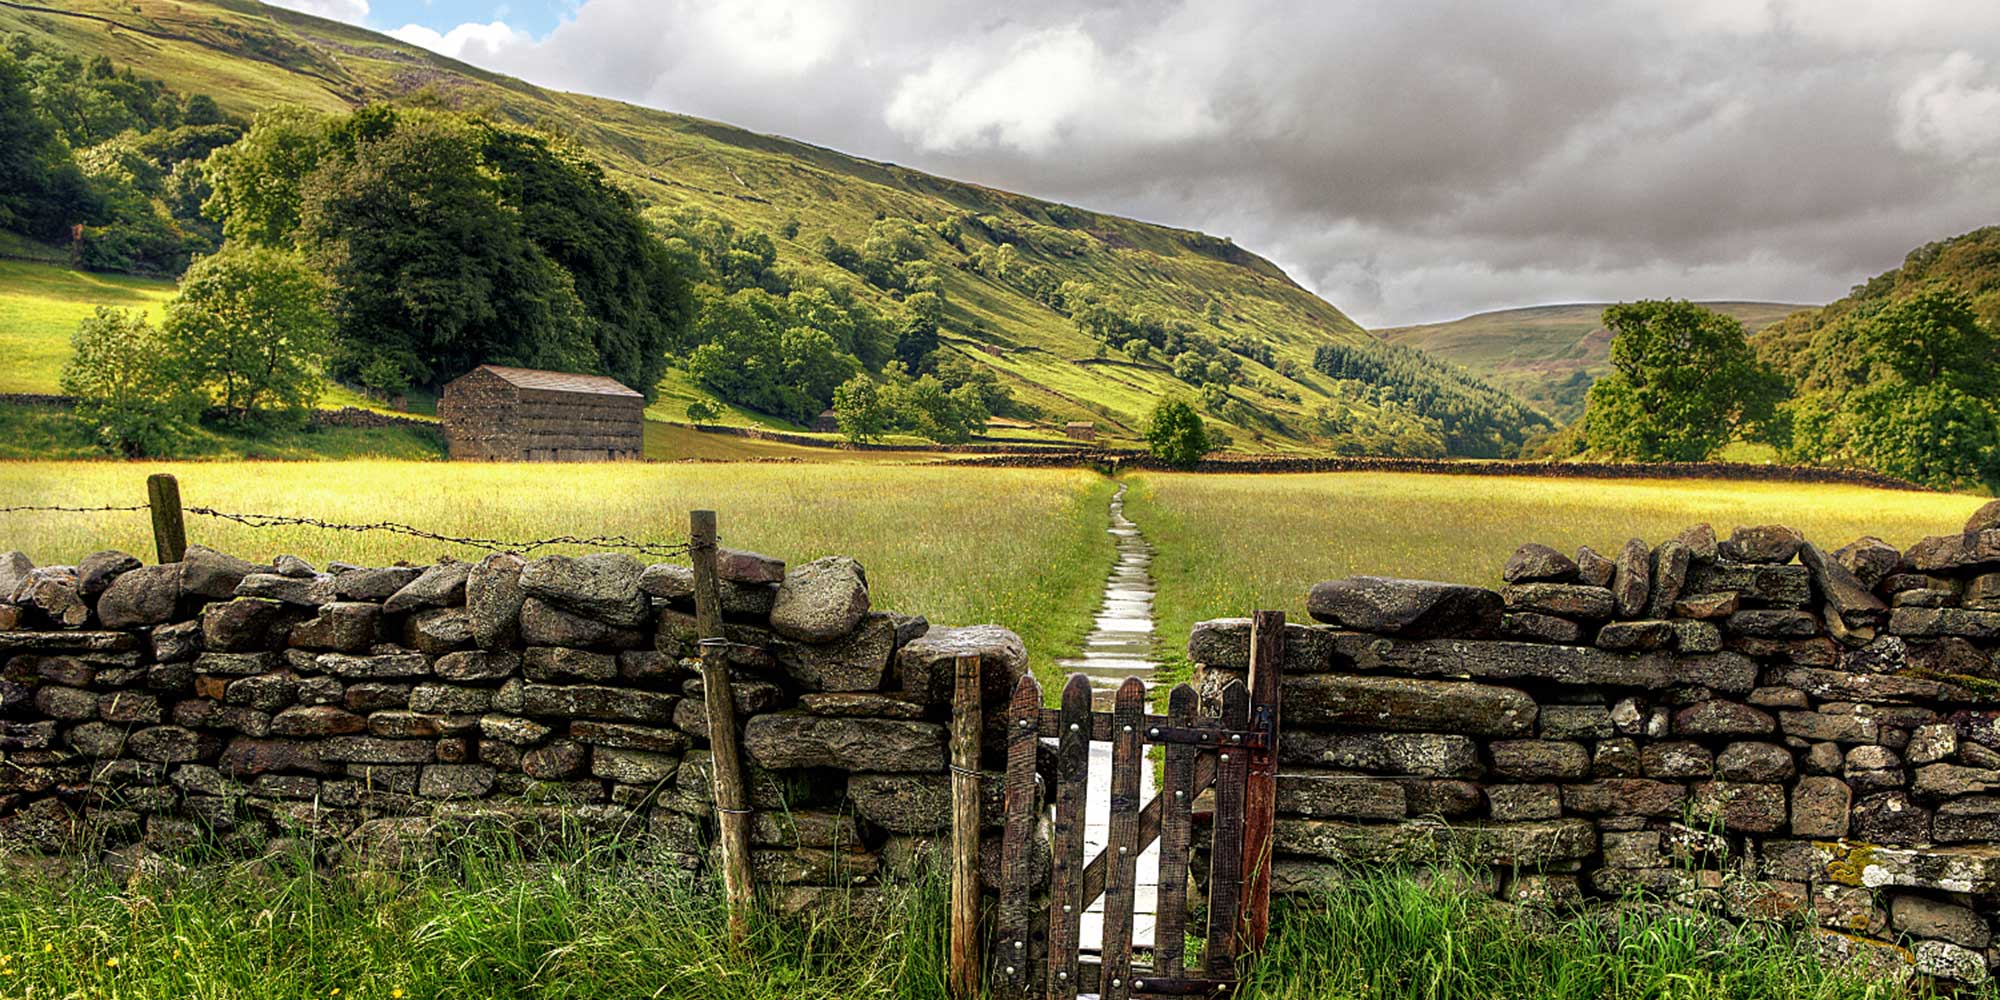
{"x": 1546, "y": 355}
{"x": 250, "y": 57}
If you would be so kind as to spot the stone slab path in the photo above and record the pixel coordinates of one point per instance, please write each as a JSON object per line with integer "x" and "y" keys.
{"x": 1120, "y": 646}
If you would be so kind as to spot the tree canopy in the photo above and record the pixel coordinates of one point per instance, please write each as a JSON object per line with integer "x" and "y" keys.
{"x": 452, "y": 241}
{"x": 1683, "y": 383}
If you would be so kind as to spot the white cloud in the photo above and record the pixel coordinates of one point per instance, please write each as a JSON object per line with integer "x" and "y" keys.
{"x": 1407, "y": 159}
{"x": 476, "y": 43}
{"x": 1952, "y": 111}
{"x": 351, "y": 11}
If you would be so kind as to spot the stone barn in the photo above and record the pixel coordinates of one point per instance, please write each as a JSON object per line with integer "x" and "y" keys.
{"x": 1080, "y": 430}
{"x": 498, "y": 414}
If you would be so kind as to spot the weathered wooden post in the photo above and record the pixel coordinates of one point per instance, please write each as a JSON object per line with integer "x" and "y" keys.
{"x": 966, "y": 728}
{"x": 1260, "y": 794}
{"x": 163, "y": 495}
{"x": 732, "y": 805}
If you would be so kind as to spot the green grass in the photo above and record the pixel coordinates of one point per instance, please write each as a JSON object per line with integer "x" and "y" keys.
{"x": 1230, "y": 544}
{"x": 1535, "y": 352}
{"x": 588, "y": 922}
{"x": 1025, "y": 548}
{"x": 596, "y": 921}
{"x": 40, "y": 432}
{"x": 40, "y": 305}
{"x": 1385, "y": 933}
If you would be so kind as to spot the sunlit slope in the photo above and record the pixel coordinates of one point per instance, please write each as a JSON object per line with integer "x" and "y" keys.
{"x": 251, "y": 57}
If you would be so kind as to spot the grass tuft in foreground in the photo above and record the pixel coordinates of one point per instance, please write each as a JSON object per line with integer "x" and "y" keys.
{"x": 1390, "y": 934}
{"x": 593, "y": 920}
{"x": 480, "y": 920}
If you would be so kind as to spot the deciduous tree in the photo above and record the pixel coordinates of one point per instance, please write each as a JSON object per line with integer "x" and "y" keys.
{"x": 250, "y": 325}
{"x": 1683, "y": 384}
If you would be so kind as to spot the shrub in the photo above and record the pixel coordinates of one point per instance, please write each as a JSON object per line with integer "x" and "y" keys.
{"x": 127, "y": 388}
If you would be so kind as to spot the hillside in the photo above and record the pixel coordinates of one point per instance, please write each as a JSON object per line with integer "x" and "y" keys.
{"x": 1546, "y": 355}
{"x": 1009, "y": 318}
{"x": 1968, "y": 264}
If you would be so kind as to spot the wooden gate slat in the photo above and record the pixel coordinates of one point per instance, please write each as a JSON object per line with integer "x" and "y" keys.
{"x": 1121, "y": 842}
{"x": 1012, "y": 969}
{"x": 1066, "y": 877}
{"x": 1225, "y": 893}
{"x": 1149, "y": 827}
{"x": 1176, "y": 801}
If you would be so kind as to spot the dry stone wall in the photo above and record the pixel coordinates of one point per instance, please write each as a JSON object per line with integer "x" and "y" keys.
{"x": 222, "y": 699}
{"x": 1752, "y": 724}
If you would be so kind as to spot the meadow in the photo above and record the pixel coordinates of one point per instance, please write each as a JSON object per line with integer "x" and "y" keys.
{"x": 1229, "y": 544}
{"x": 1024, "y": 548}
{"x": 606, "y": 922}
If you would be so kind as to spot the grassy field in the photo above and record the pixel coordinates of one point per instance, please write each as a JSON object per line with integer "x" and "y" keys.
{"x": 1229, "y": 544}
{"x": 40, "y": 305}
{"x": 39, "y": 433}
{"x": 1024, "y": 548}
{"x": 596, "y": 922}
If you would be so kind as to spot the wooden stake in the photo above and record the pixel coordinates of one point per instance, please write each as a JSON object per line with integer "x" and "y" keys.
{"x": 732, "y": 802}
{"x": 163, "y": 494}
{"x": 966, "y": 728}
{"x": 1260, "y": 793}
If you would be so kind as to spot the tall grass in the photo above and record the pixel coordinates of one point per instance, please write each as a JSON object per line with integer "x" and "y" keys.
{"x": 592, "y": 919}
{"x": 1385, "y": 933}
{"x": 1024, "y": 548}
{"x": 1229, "y": 544}
{"x": 482, "y": 920}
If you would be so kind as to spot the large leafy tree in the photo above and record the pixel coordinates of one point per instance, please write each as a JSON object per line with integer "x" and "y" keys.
{"x": 1683, "y": 384}
{"x": 452, "y": 241}
{"x": 251, "y": 326}
{"x": 1909, "y": 386}
{"x": 42, "y": 190}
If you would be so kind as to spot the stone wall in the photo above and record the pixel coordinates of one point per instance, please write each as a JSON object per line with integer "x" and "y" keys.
{"x": 220, "y": 699}
{"x": 1753, "y": 724}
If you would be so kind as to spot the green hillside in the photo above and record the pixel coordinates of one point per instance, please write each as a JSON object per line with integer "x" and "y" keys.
{"x": 1006, "y": 312}
{"x": 1968, "y": 264}
{"x": 1546, "y": 355}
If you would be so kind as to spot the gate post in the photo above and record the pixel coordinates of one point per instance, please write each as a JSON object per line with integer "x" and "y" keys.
{"x": 732, "y": 801}
{"x": 966, "y": 729}
{"x": 1260, "y": 794}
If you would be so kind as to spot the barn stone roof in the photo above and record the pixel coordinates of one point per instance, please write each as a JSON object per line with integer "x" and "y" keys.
{"x": 532, "y": 378}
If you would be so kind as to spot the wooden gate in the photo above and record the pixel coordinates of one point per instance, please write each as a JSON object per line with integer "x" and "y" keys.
{"x": 1035, "y": 947}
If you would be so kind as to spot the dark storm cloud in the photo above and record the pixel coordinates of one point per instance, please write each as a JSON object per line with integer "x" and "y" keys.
{"x": 1409, "y": 160}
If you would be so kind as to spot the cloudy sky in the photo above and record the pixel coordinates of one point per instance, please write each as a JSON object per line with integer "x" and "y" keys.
{"x": 1408, "y": 160}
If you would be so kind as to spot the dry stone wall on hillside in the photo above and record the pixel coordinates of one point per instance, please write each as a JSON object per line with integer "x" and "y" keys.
{"x": 226, "y": 700}
{"x": 1752, "y": 724}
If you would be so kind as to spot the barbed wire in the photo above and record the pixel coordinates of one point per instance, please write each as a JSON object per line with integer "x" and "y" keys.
{"x": 71, "y": 510}
{"x": 252, "y": 520}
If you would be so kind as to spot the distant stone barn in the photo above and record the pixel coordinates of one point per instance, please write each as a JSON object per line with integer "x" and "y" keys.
{"x": 499, "y": 414}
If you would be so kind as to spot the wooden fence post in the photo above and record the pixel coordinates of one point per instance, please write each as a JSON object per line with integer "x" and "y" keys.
{"x": 732, "y": 803}
{"x": 1260, "y": 793}
{"x": 163, "y": 495}
{"x": 967, "y": 726}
